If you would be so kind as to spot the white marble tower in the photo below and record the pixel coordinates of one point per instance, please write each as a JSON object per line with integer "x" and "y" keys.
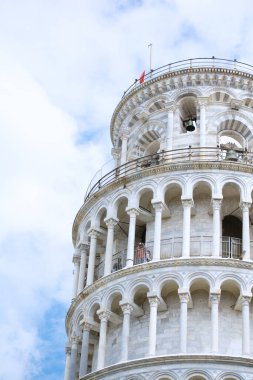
{"x": 163, "y": 270}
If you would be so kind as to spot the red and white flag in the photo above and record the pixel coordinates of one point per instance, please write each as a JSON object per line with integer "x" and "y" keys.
{"x": 142, "y": 77}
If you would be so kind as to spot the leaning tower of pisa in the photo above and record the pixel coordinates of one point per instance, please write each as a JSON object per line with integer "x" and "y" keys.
{"x": 163, "y": 270}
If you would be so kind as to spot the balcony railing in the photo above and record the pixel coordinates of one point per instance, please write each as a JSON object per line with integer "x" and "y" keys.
{"x": 164, "y": 158}
{"x": 193, "y": 63}
{"x": 200, "y": 246}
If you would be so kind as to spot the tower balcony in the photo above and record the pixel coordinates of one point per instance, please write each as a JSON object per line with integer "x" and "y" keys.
{"x": 179, "y": 159}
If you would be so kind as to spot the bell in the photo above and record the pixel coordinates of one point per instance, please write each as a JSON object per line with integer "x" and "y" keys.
{"x": 190, "y": 127}
{"x": 231, "y": 155}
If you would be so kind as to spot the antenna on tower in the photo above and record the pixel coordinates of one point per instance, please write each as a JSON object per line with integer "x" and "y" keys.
{"x": 150, "y": 58}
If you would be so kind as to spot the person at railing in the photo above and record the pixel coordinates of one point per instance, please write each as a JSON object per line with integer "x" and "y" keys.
{"x": 142, "y": 255}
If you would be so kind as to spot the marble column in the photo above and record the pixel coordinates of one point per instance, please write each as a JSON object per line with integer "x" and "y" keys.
{"x": 76, "y": 261}
{"x": 158, "y": 206}
{"x": 84, "y": 248}
{"x": 92, "y": 256}
{"x": 127, "y": 309}
{"x": 86, "y": 327}
{"x": 154, "y": 302}
{"x": 132, "y": 212}
{"x": 245, "y": 300}
{"x": 245, "y": 230}
{"x": 214, "y": 302}
{"x": 111, "y": 223}
{"x": 216, "y": 203}
{"x": 169, "y": 130}
{"x": 187, "y": 205}
{"x": 67, "y": 363}
{"x": 104, "y": 317}
{"x": 202, "y": 124}
{"x": 73, "y": 358}
{"x": 124, "y": 138}
{"x": 184, "y": 299}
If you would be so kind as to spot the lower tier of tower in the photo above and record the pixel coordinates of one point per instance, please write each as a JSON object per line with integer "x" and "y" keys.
{"x": 181, "y": 367}
{"x": 169, "y": 308}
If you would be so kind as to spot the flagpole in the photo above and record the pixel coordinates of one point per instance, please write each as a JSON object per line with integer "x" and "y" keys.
{"x": 150, "y": 59}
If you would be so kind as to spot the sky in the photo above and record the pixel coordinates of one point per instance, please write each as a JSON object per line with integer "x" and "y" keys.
{"x": 64, "y": 65}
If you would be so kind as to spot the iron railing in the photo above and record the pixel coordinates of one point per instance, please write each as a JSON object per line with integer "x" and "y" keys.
{"x": 163, "y": 158}
{"x": 193, "y": 63}
{"x": 171, "y": 248}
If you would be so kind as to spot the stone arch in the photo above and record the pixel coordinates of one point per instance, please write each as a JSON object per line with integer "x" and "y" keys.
{"x": 233, "y": 121}
{"x": 234, "y": 278}
{"x": 196, "y": 180}
{"x": 92, "y": 305}
{"x": 166, "y": 183}
{"x": 190, "y": 91}
{"x": 247, "y": 101}
{"x": 229, "y": 376}
{"x": 102, "y": 208}
{"x": 241, "y": 186}
{"x": 167, "y": 278}
{"x": 217, "y": 89}
{"x": 157, "y": 103}
{"x": 135, "y": 285}
{"x": 135, "y": 377}
{"x": 198, "y": 375}
{"x": 141, "y": 188}
{"x": 111, "y": 293}
{"x": 164, "y": 375}
{"x": 123, "y": 194}
{"x": 198, "y": 276}
{"x": 140, "y": 139}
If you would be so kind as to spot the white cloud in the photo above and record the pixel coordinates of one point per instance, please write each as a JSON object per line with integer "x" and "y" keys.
{"x": 63, "y": 68}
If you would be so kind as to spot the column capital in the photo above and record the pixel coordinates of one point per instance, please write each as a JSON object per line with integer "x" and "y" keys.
{"x": 245, "y": 206}
{"x": 103, "y": 315}
{"x": 216, "y": 203}
{"x": 202, "y": 101}
{"x": 124, "y": 133}
{"x": 83, "y": 248}
{"x": 111, "y": 222}
{"x": 76, "y": 259}
{"x": 170, "y": 106}
{"x": 153, "y": 300}
{"x": 214, "y": 298}
{"x": 115, "y": 153}
{"x": 93, "y": 232}
{"x": 158, "y": 205}
{"x": 187, "y": 203}
{"x": 131, "y": 211}
{"x": 126, "y": 307}
{"x": 245, "y": 299}
{"x": 85, "y": 325}
{"x": 75, "y": 339}
{"x": 183, "y": 296}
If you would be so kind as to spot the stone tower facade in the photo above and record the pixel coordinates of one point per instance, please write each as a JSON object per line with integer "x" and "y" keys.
{"x": 163, "y": 270}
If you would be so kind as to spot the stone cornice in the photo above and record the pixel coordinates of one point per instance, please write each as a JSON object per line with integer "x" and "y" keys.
{"x": 189, "y": 71}
{"x": 146, "y": 172}
{"x": 166, "y": 360}
{"x": 149, "y": 267}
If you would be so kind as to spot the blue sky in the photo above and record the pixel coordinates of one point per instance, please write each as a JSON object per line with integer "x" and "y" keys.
{"x": 63, "y": 67}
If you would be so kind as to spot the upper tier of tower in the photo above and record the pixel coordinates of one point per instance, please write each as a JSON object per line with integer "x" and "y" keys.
{"x": 217, "y": 95}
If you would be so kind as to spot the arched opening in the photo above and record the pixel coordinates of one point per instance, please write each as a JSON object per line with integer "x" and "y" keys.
{"x": 172, "y": 236}
{"x": 144, "y": 229}
{"x": 93, "y": 339}
{"x": 101, "y": 244}
{"x": 231, "y": 222}
{"x": 201, "y": 239}
{"x": 120, "y": 236}
{"x": 231, "y": 237}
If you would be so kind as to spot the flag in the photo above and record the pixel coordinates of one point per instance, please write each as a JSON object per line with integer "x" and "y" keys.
{"x": 142, "y": 77}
